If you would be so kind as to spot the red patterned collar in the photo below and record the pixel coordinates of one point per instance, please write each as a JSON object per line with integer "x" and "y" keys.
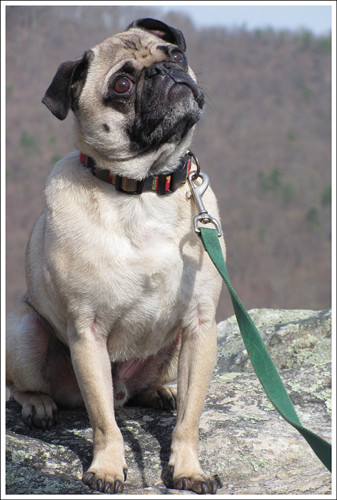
{"x": 161, "y": 184}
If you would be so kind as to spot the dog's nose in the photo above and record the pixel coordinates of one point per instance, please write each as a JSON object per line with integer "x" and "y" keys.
{"x": 164, "y": 70}
{"x": 158, "y": 68}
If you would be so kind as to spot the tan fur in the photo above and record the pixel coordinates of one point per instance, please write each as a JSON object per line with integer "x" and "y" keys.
{"x": 115, "y": 277}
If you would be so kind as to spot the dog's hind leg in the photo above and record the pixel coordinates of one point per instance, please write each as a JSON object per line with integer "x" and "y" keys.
{"x": 39, "y": 373}
{"x": 147, "y": 385}
{"x": 38, "y": 409}
{"x": 160, "y": 397}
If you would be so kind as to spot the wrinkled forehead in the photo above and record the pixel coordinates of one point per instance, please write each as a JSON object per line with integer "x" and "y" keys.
{"x": 138, "y": 46}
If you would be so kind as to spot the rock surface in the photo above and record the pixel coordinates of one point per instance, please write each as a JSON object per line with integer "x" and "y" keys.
{"x": 242, "y": 437}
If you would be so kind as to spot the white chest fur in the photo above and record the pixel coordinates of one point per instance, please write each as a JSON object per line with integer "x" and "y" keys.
{"x": 121, "y": 263}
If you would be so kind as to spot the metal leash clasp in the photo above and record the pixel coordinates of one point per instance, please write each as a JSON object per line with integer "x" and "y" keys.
{"x": 197, "y": 191}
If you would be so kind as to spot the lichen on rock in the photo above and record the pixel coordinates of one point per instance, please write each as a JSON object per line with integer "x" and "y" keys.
{"x": 242, "y": 437}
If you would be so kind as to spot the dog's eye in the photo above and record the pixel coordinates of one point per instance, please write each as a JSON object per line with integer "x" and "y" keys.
{"x": 122, "y": 85}
{"x": 177, "y": 57}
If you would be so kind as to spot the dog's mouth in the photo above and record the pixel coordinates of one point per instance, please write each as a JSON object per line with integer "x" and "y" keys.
{"x": 169, "y": 102}
{"x": 178, "y": 87}
{"x": 172, "y": 78}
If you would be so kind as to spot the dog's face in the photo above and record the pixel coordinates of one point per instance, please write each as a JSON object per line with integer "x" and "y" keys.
{"x": 134, "y": 97}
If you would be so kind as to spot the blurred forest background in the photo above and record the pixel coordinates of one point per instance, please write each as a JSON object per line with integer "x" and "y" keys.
{"x": 264, "y": 140}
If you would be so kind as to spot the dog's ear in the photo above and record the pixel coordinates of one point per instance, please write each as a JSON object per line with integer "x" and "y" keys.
{"x": 162, "y": 30}
{"x": 66, "y": 86}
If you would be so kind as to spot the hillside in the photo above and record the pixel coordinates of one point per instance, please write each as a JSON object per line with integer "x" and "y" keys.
{"x": 264, "y": 140}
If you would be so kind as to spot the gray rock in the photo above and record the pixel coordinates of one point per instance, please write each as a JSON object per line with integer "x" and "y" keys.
{"x": 242, "y": 437}
{"x": 292, "y": 337}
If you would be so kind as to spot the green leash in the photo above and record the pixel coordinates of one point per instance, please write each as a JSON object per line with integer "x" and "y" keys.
{"x": 259, "y": 356}
{"x": 257, "y": 352}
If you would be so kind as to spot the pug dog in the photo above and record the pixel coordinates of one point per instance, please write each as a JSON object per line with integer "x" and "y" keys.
{"x": 121, "y": 296}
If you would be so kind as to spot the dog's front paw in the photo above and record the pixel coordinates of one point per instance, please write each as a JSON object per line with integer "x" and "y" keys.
{"x": 187, "y": 474}
{"x": 199, "y": 483}
{"x": 106, "y": 483}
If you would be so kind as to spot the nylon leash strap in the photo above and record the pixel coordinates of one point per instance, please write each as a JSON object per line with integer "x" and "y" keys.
{"x": 259, "y": 356}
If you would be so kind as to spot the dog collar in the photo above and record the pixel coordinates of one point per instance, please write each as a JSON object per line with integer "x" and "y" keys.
{"x": 161, "y": 184}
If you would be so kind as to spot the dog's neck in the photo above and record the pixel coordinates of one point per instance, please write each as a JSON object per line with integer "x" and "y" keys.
{"x": 160, "y": 184}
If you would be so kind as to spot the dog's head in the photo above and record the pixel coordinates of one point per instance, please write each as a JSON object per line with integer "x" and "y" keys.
{"x": 134, "y": 97}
